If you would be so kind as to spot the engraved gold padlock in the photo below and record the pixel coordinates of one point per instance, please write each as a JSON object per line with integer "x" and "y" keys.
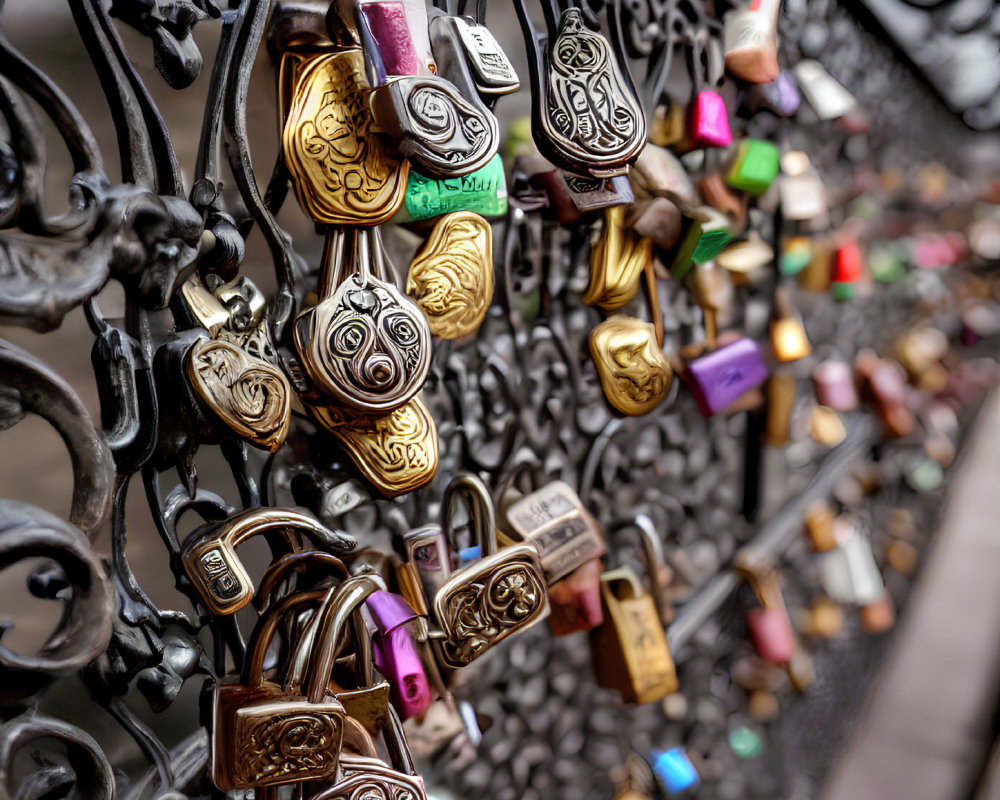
{"x": 211, "y": 562}
{"x": 343, "y": 173}
{"x": 492, "y": 598}
{"x": 634, "y": 373}
{"x": 629, "y": 650}
{"x": 617, "y": 261}
{"x": 451, "y": 278}
{"x": 266, "y": 733}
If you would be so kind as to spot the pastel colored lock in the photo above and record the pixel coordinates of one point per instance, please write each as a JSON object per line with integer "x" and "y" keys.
{"x": 674, "y": 770}
{"x": 756, "y": 165}
{"x": 576, "y": 600}
{"x": 834, "y": 385}
{"x": 708, "y": 121}
{"x": 483, "y": 191}
{"x": 396, "y": 655}
{"x": 719, "y": 378}
{"x": 795, "y": 255}
{"x": 781, "y": 95}
{"x": 771, "y": 633}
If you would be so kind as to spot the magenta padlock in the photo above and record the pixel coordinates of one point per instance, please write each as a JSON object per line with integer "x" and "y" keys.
{"x": 396, "y": 655}
{"x": 717, "y": 379}
{"x": 391, "y": 32}
{"x": 709, "y": 121}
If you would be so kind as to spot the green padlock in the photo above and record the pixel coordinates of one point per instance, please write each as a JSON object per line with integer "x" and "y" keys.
{"x": 483, "y": 192}
{"x": 706, "y": 232}
{"x": 755, "y": 166}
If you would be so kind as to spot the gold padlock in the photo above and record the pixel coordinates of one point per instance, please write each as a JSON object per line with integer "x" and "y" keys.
{"x": 634, "y": 373}
{"x": 492, "y": 598}
{"x": 629, "y": 650}
{"x": 616, "y": 262}
{"x": 265, "y": 733}
{"x": 451, "y": 278}
{"x": 342, "y": 172}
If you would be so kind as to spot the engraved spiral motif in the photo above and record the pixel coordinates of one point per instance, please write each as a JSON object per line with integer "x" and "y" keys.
{"x": 432, "y": 111}
{"x": 634, "y": 373}
{"x": 451, "y": 279}
{"x": 248, "y": 394}
{"x": 590, "y": 114}
{"x": 368, "y": 346}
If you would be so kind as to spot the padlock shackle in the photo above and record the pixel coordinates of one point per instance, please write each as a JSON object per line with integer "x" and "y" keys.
{"x": 346, "y": 605}
{"x": 267, "y": 625}
{"x": 295, "y": 562}
{"x": 479, "y": 505}
{"x": 236, "y": 529}
{"x": 623, "y": 575}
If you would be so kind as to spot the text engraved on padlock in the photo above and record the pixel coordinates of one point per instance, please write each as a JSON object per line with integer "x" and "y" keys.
{"x": 490, "y": 65}
{"x": 218, "y": 576}
{"x": 489, "y": 601}
{"x": 590, "y": 118}
{"x": 566, "y": 545}
{"x": 215, "y": 571}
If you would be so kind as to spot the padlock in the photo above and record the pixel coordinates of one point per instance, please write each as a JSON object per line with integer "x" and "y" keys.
{"x": 265, "y": 733}
{"x": 428, "y": 564}
{"x": 491, "y": 68}
{"x": 451, "y": 278}
{"x": 834, "y": 385}
{"x": 634, "y": 373}
{"x": 482, "y": 192}
{"x": 629, "y": 650}
{"x": 708, "y": 118}
{"x": 586, "y": 118}
{"x": 883, "y": 382}
{"x": 819, "y": 527}
{"x": 575, "y": 601}
{"x": 845, "y": 271}
{"x": 617, "y": 260}
{"x": 487, "y": 601}
{"x": 342, "y": 172}
{"x": 396, "y": 655}
{"x": 720, "y": 377}
{"x": 396, "y": 451}
{"x": 365, "y": 775}
{"x": 780, "y": 393}
{"x": 788, "y": 335}
{"x": 770, "y": 628}
{"x": 399, "y": 31}
{"x": 781, "y": 96}
{"x": 555, "y": 522}
{"x": 210, "y": 559}
{"x": 828, "y": 98}
{"x": 657, "y": 219}
{"x": 802, "y": 196}
{"x": 796, "y": 253}
{"x": 365, "y": 344}
{"x": 754, "y": 166}
{"x": 674, "y": 771}
{"x": 659, "y": 173}
{"x": 706, "y": 232}
{"x": 750, "y": 37}
{"x": 848, "y": 572}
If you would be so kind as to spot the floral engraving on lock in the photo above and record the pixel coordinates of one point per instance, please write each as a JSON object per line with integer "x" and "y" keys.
{"x": 590, "y": 116}
{"x": 451, "y": 279}
{"x": 486, "y": 608}
{"x": 248, "y": 394}
{"x": 341, "y": 170}
{"x": 296, "y": 743}
{"x": 368, "y": 346}
{"x": 397, "y": 452}
{"x": 634, "y": 373}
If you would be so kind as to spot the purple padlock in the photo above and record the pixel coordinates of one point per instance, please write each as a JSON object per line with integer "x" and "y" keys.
{"x": 717, "y": 379}
{"x": 396, "y": 655}
{"x": 391, "y": 32}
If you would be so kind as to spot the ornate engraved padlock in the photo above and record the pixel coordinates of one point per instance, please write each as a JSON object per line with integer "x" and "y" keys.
{"x": 342, "y": 172}
{"x": 492, "y": 598}
{"x": 586, "y": 117}
{"x": 629, "y": 650}
{"x": 365, "y": 344}
{"x": 266, "y": 733}
{"x": 210, "y": 559}
{"x": 491, "y": 69}
{"x": 364, "y": 774}
{"x": 451, "y": 278}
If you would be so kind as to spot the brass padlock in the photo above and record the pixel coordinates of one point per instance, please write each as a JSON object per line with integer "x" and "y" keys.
{"x": 364, "y": 774}
{"x": 210, "y": 559}
{"x": 617, "y": 261}
{"x": 492, "y": 598}
{"x": 265, "y": 733}
{"x": 629, "y": 650}
{"x": 342, "y": 172}
{"x": 634, "y": 373}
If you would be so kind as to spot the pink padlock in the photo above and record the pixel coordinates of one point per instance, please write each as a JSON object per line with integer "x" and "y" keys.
{"x": 770, "y": 628}
{"x": 834, "y": 384}
{"x": 396, "y": 655}
{"x": 709, "y": 120}
{"x": 575, "y": 601}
